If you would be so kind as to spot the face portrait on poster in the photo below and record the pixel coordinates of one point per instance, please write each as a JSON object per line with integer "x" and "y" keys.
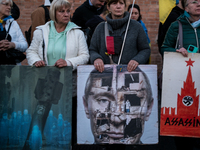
{"x": 35, "y": 107}
{"x": 117, "y": 106}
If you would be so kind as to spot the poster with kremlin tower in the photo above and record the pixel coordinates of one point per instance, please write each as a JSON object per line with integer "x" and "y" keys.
{"x": 180, "y": 110}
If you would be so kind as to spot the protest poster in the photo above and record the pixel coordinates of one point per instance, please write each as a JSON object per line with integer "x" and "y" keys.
{"x": 35, "y": 108}
{"x": 180, "y": 95}
{"x": 117, "y": 106}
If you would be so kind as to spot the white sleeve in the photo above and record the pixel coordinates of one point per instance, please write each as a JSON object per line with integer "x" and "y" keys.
{"x": 82, "y": 51}
{"x": 18, "y": 37}
{"x": 34, "y": 52}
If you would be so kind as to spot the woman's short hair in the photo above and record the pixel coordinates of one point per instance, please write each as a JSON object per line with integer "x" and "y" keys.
{"x": 7, "y": 1}
{"x": 112, "y": 1}
{"x": 55, "y": 5}
{"x": 138, "y": 8}
{"x": 184, "y": 3}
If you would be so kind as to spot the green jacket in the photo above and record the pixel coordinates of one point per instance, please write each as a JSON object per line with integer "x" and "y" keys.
{"x": 191, "y": 36}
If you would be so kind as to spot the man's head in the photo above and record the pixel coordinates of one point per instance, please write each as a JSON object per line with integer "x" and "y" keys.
{"x": 117, "y": 103}
{"x": 98, "y": 3}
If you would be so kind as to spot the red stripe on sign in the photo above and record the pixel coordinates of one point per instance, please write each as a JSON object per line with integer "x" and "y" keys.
{"x": 110, "y": 45}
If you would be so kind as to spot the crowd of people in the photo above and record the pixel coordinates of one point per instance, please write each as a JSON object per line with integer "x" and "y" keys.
{"x": 57, "y": 39}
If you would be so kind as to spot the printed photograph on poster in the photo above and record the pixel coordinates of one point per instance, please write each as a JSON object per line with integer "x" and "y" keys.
{"x": 35, "y": 108}
{"x": 117, "y": 106}
{"x": 180, "y": 110}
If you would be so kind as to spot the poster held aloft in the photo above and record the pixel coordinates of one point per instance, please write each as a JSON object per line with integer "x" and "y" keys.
{"x": 117, "y": 106}
{"x": 180, "y": 95}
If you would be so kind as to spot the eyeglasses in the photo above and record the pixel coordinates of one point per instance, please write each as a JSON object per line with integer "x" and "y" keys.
{"x": 193, "y": 2}
{"x": 6, "y": 4}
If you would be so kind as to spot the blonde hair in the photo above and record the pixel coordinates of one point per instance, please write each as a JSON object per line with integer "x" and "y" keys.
{"x": 55, "y": 5}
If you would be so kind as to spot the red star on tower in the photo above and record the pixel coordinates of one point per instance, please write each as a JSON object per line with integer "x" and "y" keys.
{"x": 190, "y": 62}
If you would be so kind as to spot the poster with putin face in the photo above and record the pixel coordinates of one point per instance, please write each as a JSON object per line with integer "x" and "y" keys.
{"x": 180, "y": 114}
{"x": 117, "y": 106}
{"x": 35, "y": 108}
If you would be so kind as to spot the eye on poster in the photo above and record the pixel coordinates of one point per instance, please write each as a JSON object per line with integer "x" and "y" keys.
{"x": 117, "y": 106}
{"x": 35, "y": 108}
{"x": 180, "y": 95}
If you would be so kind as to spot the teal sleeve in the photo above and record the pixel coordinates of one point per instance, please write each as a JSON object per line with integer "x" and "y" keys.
{"x": 169, "y": 44}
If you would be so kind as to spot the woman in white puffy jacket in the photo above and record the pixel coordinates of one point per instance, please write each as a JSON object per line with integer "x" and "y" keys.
{"x": 59, "y": 42}
{"x": 11, "y": 36}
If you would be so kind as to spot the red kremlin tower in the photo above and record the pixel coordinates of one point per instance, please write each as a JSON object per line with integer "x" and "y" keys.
{"x": 183, "y": 120}
{"x": 188, "y": 102}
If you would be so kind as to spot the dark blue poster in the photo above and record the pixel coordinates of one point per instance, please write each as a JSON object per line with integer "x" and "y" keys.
{"x": 35, "y": 108}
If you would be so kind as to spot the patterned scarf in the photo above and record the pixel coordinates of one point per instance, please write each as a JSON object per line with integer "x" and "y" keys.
{"x": 2, "y": 21}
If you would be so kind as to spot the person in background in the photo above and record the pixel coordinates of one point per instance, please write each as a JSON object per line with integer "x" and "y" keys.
{"x": 38, "y": 16}
{"x": 12, "y": 40}
{"x": 175, "y": 13}
{"x": 191, "y": 29}
{"x": 96, "y": 19}
{"x": 136, "y": 15}
{"x": 103, "y": 51}
{"x": 93, "y": 22}
{"x": 86, "y": 11}
{"x": 15, "y": 12}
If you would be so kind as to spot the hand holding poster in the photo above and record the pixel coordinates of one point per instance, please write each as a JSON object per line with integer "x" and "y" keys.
{"x": 117, "y": 106}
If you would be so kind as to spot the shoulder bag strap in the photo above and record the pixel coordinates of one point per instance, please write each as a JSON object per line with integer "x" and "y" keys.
{"x": 8, "y": 30}
{"x": 47, "y": 18}
{"x": 106, "y": 32}
{"x": 43, "y": 47}
{"x": 46, "y": 14}
{"x": 180, "y": 34}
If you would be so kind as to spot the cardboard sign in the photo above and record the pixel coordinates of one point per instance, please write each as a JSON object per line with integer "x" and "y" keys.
{"x": 35, "y": 107}
{"x": 180, "y": 95}
{"x": 117, "y": 106}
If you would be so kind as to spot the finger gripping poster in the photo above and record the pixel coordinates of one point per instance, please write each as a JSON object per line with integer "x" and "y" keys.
{"x": 35, "y": 108}
{"x": 180, "y": 95}
{"x": 117, "y": 106}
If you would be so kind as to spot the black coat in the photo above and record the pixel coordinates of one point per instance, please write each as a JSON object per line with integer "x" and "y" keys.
{"x": 93, "y": 22}
{"x": 15, "y": 12}
{"x": 175, "y": 13}
{"x": 85, "y": 12}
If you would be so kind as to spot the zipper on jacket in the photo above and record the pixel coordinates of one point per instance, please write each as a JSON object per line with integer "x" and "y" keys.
{"x": 195, "y": 31}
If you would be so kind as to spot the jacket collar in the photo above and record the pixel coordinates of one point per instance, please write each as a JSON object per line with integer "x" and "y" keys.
{"x": 47, "y": 25}
{"x": 117, "y": 23}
